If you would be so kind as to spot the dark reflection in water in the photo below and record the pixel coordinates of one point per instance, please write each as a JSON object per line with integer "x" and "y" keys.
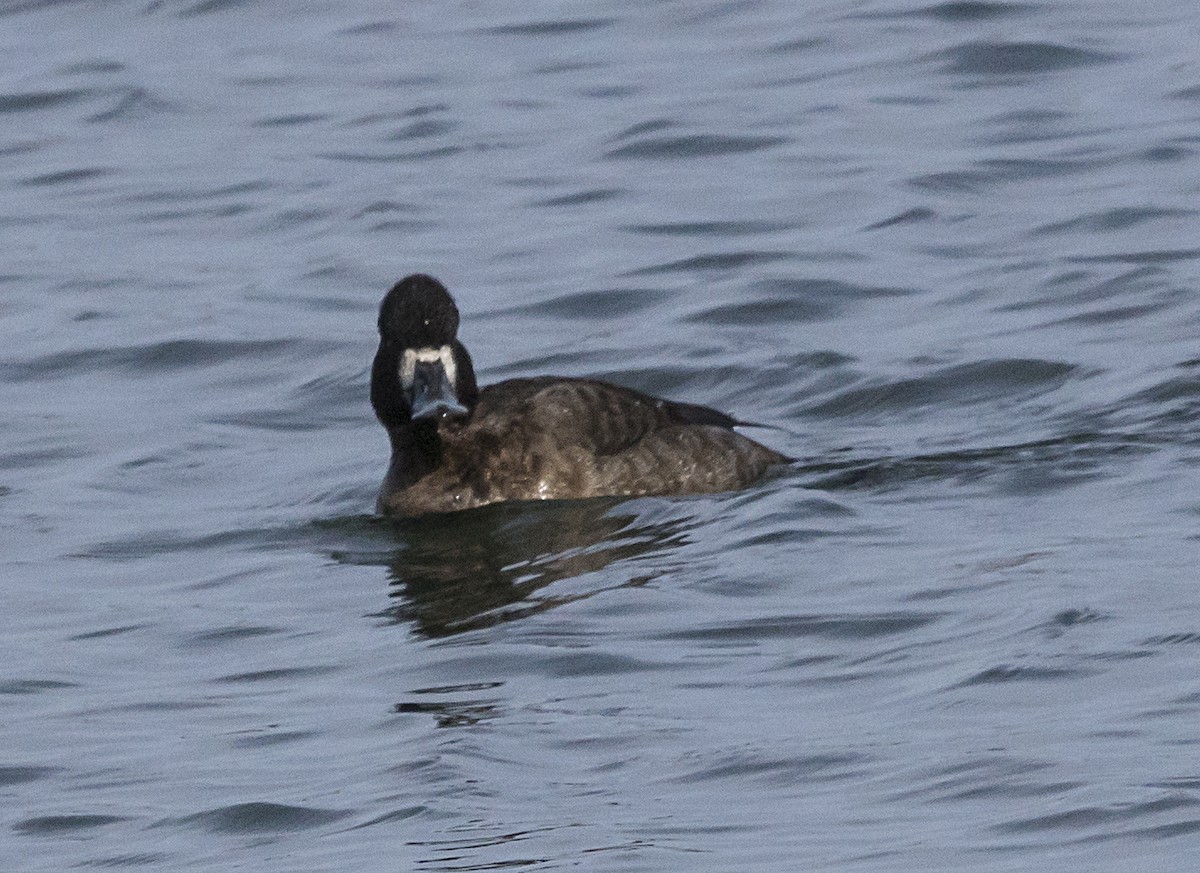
{"x": 470, "y": 570}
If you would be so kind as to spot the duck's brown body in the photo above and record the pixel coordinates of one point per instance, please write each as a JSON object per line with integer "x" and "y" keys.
{"x": 550, "y": 439}
{"x": 543, "y": 438}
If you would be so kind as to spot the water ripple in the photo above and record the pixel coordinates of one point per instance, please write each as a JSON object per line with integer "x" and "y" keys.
{"x": 580, "y": 198}
{"x": 33, "y": 686}
{"x": 552, "y": 27}
{"x": 781, "y": 772}
{"x": 975, "y": 10}
{"x": 32, "y": 101}
{"x": 1008, "y": 673}
{"x": 710, "y": 228}
{"x": 1117, "y": 219}
{"x": 1085, "y": 818}
{"x": 65, "y": 177}
{"x": 132, "y": 104}
{"x": 712, "y": 262}
{"x": 964, "y": 384}
{"x": 994, "y": 58}
{"x": 780, "y": 301}
{"x": 852, "y": 627}
{"x": 288, "y": 673}
{"x": 260, "y": 817}
{"x": 19, "y": 775}
{"x": 48, "y": 825}
{"x": 147, "y": 360}
{"x": 986, "y": 174}
{"x": 694, "y": 146}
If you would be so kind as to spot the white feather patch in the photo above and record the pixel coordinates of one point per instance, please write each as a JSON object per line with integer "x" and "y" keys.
{"x": 412, "y": 357}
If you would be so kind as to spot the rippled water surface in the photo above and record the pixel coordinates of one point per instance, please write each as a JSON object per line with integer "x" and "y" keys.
{"x": 946, "y": 252}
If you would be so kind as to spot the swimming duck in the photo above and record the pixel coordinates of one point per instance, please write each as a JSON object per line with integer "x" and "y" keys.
{"x": 457, "y": 446}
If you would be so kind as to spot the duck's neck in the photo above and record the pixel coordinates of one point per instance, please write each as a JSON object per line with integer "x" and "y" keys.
{"x": 416, "y": 452}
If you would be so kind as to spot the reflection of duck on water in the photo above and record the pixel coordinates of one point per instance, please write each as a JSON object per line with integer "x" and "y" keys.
{"x": 463, "y": 572}
{"x": 456, "y": 446}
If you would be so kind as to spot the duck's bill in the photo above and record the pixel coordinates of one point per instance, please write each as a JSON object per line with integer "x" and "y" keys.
{"x": 433, "y": 394}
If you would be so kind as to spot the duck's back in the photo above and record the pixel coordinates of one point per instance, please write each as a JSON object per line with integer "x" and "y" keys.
{"x": 556, "y": 438}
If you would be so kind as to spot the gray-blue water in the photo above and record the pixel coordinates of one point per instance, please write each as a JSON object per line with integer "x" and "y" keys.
{"x": 948, "y": 252}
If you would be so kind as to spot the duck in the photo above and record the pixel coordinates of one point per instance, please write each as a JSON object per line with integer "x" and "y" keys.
{"x": 456, "y": 446}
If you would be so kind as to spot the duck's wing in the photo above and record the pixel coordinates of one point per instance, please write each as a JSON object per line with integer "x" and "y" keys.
{"x": 694, "y": 413}
{"x": 554, "y": 437}
{"x": 591, "y": 414}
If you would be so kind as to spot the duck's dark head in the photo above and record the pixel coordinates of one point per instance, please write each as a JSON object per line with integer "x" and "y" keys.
{"x": 421, "y": 371}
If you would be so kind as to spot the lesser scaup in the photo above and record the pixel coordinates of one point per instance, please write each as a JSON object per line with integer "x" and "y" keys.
{"x": 456, "y": 446}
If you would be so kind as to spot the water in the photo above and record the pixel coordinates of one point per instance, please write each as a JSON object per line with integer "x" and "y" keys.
{"x": 946, "y": 252}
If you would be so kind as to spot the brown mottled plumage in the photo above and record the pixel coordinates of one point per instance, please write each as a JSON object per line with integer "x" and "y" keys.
{"x": 455, "y": 446}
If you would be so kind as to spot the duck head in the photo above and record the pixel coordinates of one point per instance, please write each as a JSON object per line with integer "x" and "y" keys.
{"x": 422, "y": 373}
